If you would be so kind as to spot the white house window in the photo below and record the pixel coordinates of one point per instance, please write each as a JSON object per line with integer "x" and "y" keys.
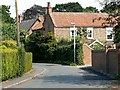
{"x": 90, "y": 33}
{"x": 109, "y": 35}
{"x": 72, "y": 32}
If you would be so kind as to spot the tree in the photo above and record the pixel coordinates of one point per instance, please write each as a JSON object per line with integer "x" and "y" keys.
{"x": 34, "y": 12}
{"x": 68, "y": 7}
{"x": 6, "y": 14}
{"x": 113, "y": 9}
{"x": 42, "y": 46}
{"x": 8, "y": 31}
{"x": 7, "y": 24}
{"x": 91, "y": 9}
{"x": 110, "y": 7}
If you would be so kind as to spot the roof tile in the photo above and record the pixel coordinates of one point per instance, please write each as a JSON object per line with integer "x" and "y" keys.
{"x": 64, "y": 19}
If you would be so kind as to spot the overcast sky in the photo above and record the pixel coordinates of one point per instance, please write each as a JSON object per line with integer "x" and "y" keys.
{"x": 25, "y": 4}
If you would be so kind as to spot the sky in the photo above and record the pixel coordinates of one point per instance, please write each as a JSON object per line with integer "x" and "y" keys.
{"x": 25, "y": 4}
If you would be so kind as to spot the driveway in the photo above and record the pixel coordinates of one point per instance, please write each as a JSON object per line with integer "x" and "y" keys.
{"x": 59, "y": 76}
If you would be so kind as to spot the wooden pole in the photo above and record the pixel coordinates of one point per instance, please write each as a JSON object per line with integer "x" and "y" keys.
{"x": 17, "y": 24}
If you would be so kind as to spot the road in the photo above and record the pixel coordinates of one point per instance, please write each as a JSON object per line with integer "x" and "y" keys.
{"x": 58, "y": 76}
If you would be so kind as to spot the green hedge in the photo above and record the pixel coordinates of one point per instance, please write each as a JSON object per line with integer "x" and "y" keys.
{"x": 46, "y": 49}
{"x": 15, "y": 63}
{"x": 65, "y": 54}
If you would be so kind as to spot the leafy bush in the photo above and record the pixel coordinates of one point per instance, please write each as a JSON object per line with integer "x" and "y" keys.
{"x": 42, "y": 46}
{"x": 73, "y": 64}
{"x": 46, "y": 49}
{"x": 79, "y": 54}
{"x": 62, "y": 41}
{"x": 15, "y": 63}
{"x": 117, "y": 76}
{"x": 10, "y": 44}
{"x": 65, "y": 54}
{"x": 3, "y": 47}
{"x": 97, "y": 46}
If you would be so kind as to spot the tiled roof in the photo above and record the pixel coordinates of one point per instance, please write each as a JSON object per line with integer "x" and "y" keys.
{"x": 64, "y": 19}
{"x": 40, "y": 24}
{"x": 27, "y": 24}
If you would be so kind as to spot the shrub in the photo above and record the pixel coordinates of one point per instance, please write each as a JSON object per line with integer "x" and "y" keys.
{"x": 79, "y": 54}
{"x": 97, "y": 46}
{"x": 62, "y": 41}
{"x": 42, "y": 46}
{"x": 73, "y": 64}
{"x": 46, "y": 49}
{"x": 65, "y": 54}
{"x": 3, "y": 47}
{"x": 15, "y": 63}
{"x": 10, "y": 44}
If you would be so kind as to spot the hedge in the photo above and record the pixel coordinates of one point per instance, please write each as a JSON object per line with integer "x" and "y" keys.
{"x": 65, "y": 54}
{"x": 15, "y": 63}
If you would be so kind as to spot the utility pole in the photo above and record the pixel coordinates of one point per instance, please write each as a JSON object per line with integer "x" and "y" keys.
{"x": 17, "y": 24}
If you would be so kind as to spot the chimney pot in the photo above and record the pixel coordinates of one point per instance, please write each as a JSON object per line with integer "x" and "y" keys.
{"x": 49, "y": 8}
{"x": 48, "y": 4}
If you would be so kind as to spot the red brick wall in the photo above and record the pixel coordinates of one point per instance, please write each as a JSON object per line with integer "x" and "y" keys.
{"x": 62, "y": 33}
{"x": 87, "y": 55}
{"x": 100, "y": 34}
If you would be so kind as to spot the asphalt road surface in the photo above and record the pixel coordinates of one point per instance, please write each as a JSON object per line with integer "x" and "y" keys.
{"x": 59, "y": 76}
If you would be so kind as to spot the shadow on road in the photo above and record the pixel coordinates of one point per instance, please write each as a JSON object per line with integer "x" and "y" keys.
{"x": 91, "y": 71}
{"x": 80, "y": 80}
{"x": 87, "y": 77}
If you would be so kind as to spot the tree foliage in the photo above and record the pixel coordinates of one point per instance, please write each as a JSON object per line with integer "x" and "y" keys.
{"x": 73, "y": 7}
{"x": 68, "y": 7}
{"x": 7, "y": 25}
{"x": 8, "y": 31}
{"x": 6, "y": 14}
{"x": 42, "y": 46}
{"x": 46, "y": 49}
{"x": 110, "y": 7}
{"x": 33, "y": 12}
{"x": 113, "y": 9}
{"x": 91, "y": 9}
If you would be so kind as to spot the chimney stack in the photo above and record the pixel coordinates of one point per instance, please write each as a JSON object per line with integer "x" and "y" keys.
{"x": 49, "y": 8}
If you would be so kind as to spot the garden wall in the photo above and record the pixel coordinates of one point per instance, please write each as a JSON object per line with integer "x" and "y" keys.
{"x": 87, "y": 55}
{"x": 106, "y": 61}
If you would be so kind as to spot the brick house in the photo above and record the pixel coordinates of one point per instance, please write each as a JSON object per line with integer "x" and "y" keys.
{"x": 31, "y": 25}
{"x": 60, "y": 23}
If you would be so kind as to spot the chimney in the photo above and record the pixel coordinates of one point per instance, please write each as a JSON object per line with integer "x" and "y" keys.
{"x": 49, "y": 8}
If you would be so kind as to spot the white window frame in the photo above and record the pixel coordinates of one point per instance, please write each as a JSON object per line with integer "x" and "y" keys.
{"x": 108, "y": 29}
{"x": 88, "y": 30}
{"x": 72, "y": 29}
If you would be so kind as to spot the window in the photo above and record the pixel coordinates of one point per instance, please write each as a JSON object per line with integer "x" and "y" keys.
{"x": 72, "y": 32}
{"x": 90, "y": 33}
{"x": 109, "y": 35}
